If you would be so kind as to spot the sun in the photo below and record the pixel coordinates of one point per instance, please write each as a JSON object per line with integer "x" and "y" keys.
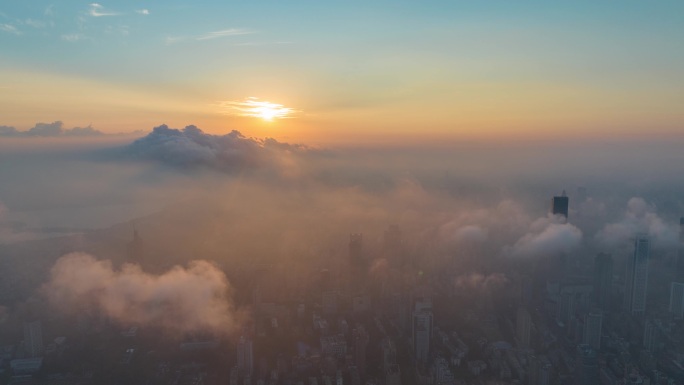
{"x": 267, "y": 113}
{"x": 255, "y": 108}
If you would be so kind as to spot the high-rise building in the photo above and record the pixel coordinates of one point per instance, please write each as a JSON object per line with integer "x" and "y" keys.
{"x": 422, "y": 331}
{"x": 389, "y": 353}
{"x": 245, "y": 356}
{"x": 677, "y": 300}
{"x": 680, "y": 252}
{"x": 586, "y": 366}
{"x": 356, "y": 249}
{"x": 33, "y": 338}
{"x": 135, "y": 248}
{"x": 560, "y": 204}
{"x": 523, "y": 326}
{"x": 592, "y": 330}
{"x": 361, "y": 339}
{"x": 603, "y": 280}
{"x": 636, "y": 277}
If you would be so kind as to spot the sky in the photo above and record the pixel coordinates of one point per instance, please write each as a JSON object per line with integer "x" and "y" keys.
{"x": 347, "y": 72}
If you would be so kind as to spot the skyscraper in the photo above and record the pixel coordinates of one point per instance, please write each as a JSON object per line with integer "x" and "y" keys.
{"x": 33, "y": 338}
{"x": 603, "y": 280}
{"x": 636, "y": 277}
{"x": 245, "y": 356}
{"x": 355, "y": 249}
{"x": 592, "y": 330}
{"x": 422, "y": 331}
{"x": 559, "y": 205}
{"x": 523, "y": 326}
{"x": 677, "y": 300}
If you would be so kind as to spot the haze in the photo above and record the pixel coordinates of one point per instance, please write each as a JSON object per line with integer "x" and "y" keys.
{"x": 449, "y": 193}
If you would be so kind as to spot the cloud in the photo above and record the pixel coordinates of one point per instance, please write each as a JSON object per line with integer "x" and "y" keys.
{"x": 639, "y": 217}
{"x": 196, "y": 298}
{"x": 142, "y": 11}
{"x": 9, "y": 29}
{"x": 255, "y": 108}
{"x": 547, "y": 236}
{"x": 72, "y": 37}
{"x": 97, "y": 10}
{"x": 35, "y": 23}
{"x": 210, "y": 35}
{"x": 53, "y": 129}
{"x": 191, "y": 147}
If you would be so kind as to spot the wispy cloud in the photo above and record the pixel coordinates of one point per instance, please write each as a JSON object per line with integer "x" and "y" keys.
{"x": 9, "y": 28}
{"x": 35, "y": 23}
{"x": 142, "y": 11}
{"x": 257, "y": 43}
{"x": 210, "y": 35}
{"x": 97, "y": 10}
{"x": 72, "y": 37}
{"x": 224, "y": 33}
{"x": 49, "y": 11}
{"x": 255, "y": 108}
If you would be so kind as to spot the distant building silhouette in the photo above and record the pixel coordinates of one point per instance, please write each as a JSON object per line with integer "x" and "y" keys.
{"x": 33, "y": 338}
{"x": 422, "y": 330}
{"x": 603, "y": 280}
{"x": 560, "y": 204}
{"x": 356, "y": 249}
{"x": 523, "y": 327}
{"x": 135, "y": 248}
{"x": 245, "y": 356}
{"x": 636, "y": 277}
{"x": 593, "y": 323}
{"x": 677, "y": 300}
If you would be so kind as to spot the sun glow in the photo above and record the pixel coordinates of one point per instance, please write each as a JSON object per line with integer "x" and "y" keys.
{"x": 255, "y": 108}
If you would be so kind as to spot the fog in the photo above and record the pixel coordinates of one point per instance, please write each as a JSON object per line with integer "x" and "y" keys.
{"x": 259, "y": 210}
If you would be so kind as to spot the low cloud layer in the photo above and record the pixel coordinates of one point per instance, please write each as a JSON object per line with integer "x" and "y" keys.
{"x": 191, "y": 147}
{"x": 54, "y": 129}
{"x": 192, "y": 299}
{"x": 547, "y": 236}
{"x": 639, "y": 217}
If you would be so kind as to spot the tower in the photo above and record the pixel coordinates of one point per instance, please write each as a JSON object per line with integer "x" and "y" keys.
{"x": 603, "y": 280}
{"x": 636, "y": 277}
{"x": 135, "y": 248}
{"x": 422, "y": 331}
{"x": 361, "y": 339}
{"x": 33, "y": 338}
{"x": 245, "y": 356}
{"x": 356, "y": 249}
{"x": 592, "y": 330}
{"x": 559, "y": 205}
{"x": 523, "y": 326}
{"x": 677, "y": 300}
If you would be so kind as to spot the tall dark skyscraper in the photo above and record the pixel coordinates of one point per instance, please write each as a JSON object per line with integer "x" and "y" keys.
{"x": 603, "y": 280}
{"x": 680, "y": 252}
{"x": 356, "y": 249}
{"x": 560, "y": 204}
{"x": 636, "y": 277}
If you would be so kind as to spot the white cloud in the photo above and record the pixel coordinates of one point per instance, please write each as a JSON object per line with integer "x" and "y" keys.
{"x": 72, "y": 37}
{"x": 224, "y": 33}
{"x": 35, "y": 23}
{"x": 210, "y": 35}
{"x": 143, "y": 11}
{"x": 9, "y": 29}
{"x": 97, "y": 10}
